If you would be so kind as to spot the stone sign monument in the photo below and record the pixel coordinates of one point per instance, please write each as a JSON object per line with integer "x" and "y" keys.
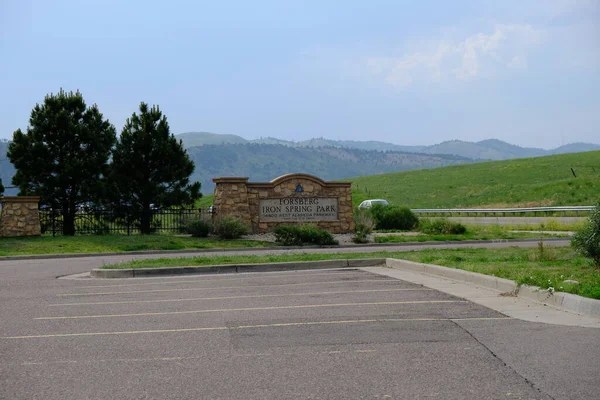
{"x": 292, "y": 199}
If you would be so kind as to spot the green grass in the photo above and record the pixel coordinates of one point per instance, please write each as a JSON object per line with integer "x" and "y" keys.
{"x": 124, "y": 243}
{"x": 549, "y": 225}
{"x": 113, "y": 243}
{"x": 523, "y": 265}
{"x": 540, "y": 181}
{"x": 474, "y": 232}
{"x": 204, "y": 201}
{"x": 459, "y": 238}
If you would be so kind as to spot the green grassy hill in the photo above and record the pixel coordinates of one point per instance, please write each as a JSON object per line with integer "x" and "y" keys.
{"x": 541, "y": 181}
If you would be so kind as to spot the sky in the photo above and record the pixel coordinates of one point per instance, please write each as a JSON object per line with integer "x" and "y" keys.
{"x": 406, "y": 72}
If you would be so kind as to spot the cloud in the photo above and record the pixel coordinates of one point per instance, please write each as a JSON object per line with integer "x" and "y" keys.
{"x": 477, "y": 55}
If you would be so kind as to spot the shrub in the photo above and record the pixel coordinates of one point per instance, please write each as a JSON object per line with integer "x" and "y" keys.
{"x": 312, "y": 234}
{"x": 293, "y": 235}
{"x": 376, "y": 212}
{"x": 587, "y": 240}
{"x": 198, "y": 227}
{"x": 442, "y": 226}
{"x": 288, "y": 235}
{"x": 394, "y": 217}
{"x": 363, "y": 226}
{"x": 231, "y": 228}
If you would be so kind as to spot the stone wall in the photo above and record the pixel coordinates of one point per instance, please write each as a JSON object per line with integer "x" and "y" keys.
{"x": 236, "y": 197}
{"x": 20, "y": 216}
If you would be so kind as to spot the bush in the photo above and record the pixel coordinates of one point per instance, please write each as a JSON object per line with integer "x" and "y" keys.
{"x": 363, "y": 226}
{"x": 231, "y": 228}
{"x": 442, "y": 226}
{"x": 394, "y": 217}
{"x": 293, "y": 235}
{"x": 198, "y": 227}
{"x": 288, "y": 235}
{"x": 587, "y": 240}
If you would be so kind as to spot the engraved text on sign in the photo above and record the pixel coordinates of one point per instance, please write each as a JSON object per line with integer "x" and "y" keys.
{"x": 298, "y": 209}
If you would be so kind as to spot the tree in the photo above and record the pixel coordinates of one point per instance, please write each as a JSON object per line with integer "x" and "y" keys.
{"x": 64, "y": 154}
{"x": 150, "y": 169}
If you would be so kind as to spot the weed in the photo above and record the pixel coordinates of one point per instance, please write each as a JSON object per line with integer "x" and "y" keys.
{"x": 363, "y": 226}
{"x": 441, "y": 226}
{"x": 231, "y": 228}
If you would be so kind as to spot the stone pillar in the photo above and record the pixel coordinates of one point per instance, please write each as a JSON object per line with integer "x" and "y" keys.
{"x": 231, "y": 198}
{"x": 20, "y": 216}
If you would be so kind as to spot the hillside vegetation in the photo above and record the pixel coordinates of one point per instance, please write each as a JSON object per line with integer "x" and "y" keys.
{"x": 541, "y": 181}
{"x": 264, "y": 162}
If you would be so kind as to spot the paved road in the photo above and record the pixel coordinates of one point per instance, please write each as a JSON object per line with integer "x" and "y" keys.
{"x": 286, "y": 335}
{"x": 517, "y": 221}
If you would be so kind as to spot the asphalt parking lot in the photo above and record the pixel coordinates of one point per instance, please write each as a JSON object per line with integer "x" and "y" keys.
{"x": 327, "y": 334}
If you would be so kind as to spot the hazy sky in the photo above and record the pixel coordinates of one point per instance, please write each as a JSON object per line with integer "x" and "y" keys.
{"x": 407, "y": 72}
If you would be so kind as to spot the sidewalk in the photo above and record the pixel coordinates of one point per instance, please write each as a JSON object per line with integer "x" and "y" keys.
{"x": 510, "y": 305}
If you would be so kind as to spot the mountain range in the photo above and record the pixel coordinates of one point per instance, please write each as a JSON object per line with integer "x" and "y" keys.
{"x": 267, "y": 158}
{"x": 490, "y": 149}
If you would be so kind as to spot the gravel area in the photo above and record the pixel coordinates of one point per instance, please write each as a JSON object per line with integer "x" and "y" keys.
{"x": 345, "y": 238}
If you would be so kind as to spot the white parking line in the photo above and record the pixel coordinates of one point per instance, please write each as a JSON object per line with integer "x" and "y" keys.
{"x": 282, "y": 325}
{"x": 253, "y": 309}
{"x": 230, "y": 287}
{"x": 257, "y": 296}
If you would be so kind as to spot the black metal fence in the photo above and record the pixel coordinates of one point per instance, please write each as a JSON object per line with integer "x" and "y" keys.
{"x": 107, "y": 222}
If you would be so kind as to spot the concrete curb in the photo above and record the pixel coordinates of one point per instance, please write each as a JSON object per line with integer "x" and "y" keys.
{"x": 225, "y": 250}
{"x": 503, "y": 285}
{"x": 563, "y": 301}
{"x": 236, "y": 268}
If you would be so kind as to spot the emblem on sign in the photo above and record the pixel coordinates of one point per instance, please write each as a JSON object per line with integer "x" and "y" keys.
{"x": 299, "y": 188}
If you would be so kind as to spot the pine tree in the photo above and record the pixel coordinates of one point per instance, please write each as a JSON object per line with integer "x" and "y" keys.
{"x": 150, "y": 169}
{"x": 64, "y": 154}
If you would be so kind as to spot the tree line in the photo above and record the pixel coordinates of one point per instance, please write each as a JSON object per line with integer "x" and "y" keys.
{"x": 70, "y": 155}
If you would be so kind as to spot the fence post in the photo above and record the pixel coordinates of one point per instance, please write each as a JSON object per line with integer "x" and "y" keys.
{"x": 53, "y": 219}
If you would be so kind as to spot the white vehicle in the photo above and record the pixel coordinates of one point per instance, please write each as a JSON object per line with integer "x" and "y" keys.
{"x": 369, "y": 203}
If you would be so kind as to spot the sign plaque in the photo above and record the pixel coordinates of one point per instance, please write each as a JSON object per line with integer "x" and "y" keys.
{"x": 298, "y": 209}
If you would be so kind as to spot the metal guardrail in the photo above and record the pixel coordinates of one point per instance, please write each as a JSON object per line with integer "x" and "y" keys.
{"x": 534, "y": 210}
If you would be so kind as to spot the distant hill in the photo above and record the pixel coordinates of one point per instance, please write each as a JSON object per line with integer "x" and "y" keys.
{"x": 191, "y": 139}
{"x": 526, "y": 182}
{"x": 509, "y": 151}
{"x": 263, "y": 162}
{"x": 490, "y": 149}
{"x": 575, "y": 148}
{"x": 470, "y": 150}
{"x": 272, "y": 140}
